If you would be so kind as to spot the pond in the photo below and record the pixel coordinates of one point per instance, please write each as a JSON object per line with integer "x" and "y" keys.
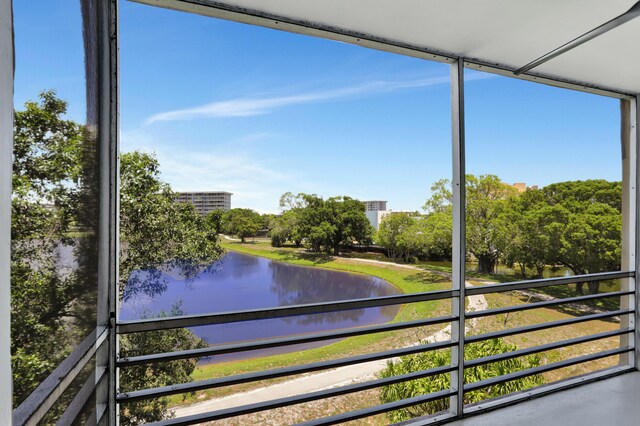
{"x": 241, "y": 281}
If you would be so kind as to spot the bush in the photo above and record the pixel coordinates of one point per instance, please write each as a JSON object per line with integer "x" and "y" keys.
{"x": 434, "y": 359}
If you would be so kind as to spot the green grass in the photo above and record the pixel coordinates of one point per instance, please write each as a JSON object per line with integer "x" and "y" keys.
{"x": 406, "y": 280}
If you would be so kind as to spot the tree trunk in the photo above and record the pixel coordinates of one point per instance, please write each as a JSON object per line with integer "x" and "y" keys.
{"x": 523, "y": 270}
{"x": 594, "y": 287}
{"x": 486, "y": 264}
{"x": 336, "y": 250}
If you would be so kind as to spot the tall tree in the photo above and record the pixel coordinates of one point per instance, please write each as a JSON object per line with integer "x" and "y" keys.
{"x": 390, "y": 233}
{"x": 52, "y": 211}
{"x": 46, "y": 185}
{"x": 486, "y": 233}
{"x": 333, "y": 223}
{"x": 242, "y": 223}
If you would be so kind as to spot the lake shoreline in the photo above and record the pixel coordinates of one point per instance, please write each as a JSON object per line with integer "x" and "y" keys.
{"x": 407, "y": 279}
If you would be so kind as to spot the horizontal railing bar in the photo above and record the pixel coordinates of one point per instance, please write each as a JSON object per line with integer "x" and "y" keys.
{"x": 278, "y": 311}
{"x": 298, "y": 399}
{"x": 379, "y": 409}
{"x": 36, "y": 406}
{"x": 549, "y": 346}
{"x": 546, "y": 325}
{"x": 544, "y": 368}
{"x": 80, "y": 399}
{"x": 276, "y": 372}
{"x": 284, "y": 341}
{"x": 547, "y": 282}
{"x": 536, "y": 305}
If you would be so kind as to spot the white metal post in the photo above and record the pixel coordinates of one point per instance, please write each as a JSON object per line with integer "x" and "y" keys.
{"x": 629, "y": 148}
{"x": 458, "y": 244}
{"x": 6, "y": 167}
{"x": 636, "y": 134}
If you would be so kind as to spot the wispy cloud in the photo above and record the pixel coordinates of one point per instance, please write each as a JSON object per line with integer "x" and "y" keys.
{"x": 244, "y": 107}
{"x": 255, "y": 181}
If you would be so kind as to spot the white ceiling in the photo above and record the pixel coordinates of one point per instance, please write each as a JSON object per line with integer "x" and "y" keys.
{"x": 505, "y": 32}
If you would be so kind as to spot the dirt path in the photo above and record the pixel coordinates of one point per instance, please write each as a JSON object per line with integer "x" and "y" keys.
{"x": 312, "y": 382}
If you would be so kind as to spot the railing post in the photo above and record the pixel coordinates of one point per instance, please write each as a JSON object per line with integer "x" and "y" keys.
{"x": 629, "y": 149}
{"x": 6, "y": 167}
{"x": 458, "y": 243}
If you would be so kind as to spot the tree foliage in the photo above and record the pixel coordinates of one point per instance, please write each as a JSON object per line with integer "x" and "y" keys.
{"x": 55, "y": 209}
{"x": 158, "y": 233}
{"x": 242, "y": 223}
{"x": 574, "y": 224}
{"x": 158, "y": 374}
{"x": 46, "y": 197}
{"x": 434, "y": 359}
{"x": 323, "y": 225}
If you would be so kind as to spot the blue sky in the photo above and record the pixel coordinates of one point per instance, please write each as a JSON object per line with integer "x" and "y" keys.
{"x": 258, "y": 112}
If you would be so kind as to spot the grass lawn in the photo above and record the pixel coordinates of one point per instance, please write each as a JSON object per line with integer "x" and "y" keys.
{"x": 431, "y": 278}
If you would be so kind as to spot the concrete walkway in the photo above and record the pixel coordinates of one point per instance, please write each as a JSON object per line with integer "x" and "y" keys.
{"x": 318, "y": 381}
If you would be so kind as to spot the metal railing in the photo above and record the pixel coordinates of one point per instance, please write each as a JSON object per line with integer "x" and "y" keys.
{"x": 145, "y": 325}
{"x": 34, "y": 409}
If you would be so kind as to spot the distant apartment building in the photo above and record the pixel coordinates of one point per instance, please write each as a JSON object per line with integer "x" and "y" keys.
{"x": 375, "y": 206}
{"x": 375, "y": 211}
{"x": 376, "y": 217}
{"x": 207, "y": 201}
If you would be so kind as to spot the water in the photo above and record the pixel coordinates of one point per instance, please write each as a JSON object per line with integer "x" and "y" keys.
{"x": 241, "y": 281}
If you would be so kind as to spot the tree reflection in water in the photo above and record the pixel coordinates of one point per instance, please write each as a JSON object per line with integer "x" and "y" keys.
{"x": 296, "y": 285}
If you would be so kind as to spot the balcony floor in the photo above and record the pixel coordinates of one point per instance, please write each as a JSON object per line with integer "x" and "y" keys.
{"x": 614, "y": 401}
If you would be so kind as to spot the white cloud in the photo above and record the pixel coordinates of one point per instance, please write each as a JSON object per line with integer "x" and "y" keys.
{"x": 244, "y": 107}
{"x": 254, "y": 181}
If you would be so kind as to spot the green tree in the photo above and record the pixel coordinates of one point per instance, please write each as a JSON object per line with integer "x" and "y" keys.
{"x": 587, "y": 227}
{"x": 54, "y": 205}
{"x": 437, "y": 230}
{"x": 157, "y": 374}
{"x": 486, "y": 223}
{"x": 284, "y": 228}
{"x": 530, "y": 244}
{"x": 390, "y": 231}
{"x": 242, "y": 223}
{"x": 47, "y": 168}
{"x": 434, "y": 359}
{"x": 213, "y": 220}
{"x": 156, "y": 231}
{"x": 333, "y": 223}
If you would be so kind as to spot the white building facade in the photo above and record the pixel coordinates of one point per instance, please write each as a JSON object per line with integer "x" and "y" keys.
{"x": 207, "y": 201}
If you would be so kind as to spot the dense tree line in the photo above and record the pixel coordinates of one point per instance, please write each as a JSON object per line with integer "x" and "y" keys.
{"x": 576, "y": 224}
{"x": 55, "y": 209}
{"x": 322, "y": 225}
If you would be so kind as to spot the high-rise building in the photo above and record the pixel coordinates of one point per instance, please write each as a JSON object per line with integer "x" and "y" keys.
{"x": 375, "y": 205}
{"x": 207, "y": 201}
{"x": 375, "y": 211}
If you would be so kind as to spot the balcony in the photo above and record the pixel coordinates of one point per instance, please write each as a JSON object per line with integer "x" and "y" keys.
{"x": 584, "y": 375}
{"x": 607, "y": 401}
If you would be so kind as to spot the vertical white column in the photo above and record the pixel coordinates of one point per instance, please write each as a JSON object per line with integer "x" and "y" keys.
{"x": 629, "y": 148}
{"x": 6, "y": 150}
{"x": 458, "y": 244}
{"x": 635, "y": 136}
